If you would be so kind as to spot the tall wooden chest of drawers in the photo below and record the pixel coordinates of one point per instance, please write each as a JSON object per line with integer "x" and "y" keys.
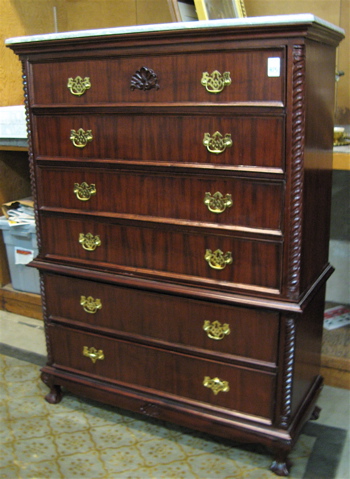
{"x": 182, "y": 179}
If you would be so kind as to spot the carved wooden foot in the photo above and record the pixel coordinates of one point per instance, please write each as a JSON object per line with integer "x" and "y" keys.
{"x": 281, "y": 465}
{"x": 316, "y": 413}
{"x": 55, "y": 394}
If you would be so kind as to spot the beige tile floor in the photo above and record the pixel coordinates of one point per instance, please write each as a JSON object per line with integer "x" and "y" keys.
{"x": 28, "y": 334}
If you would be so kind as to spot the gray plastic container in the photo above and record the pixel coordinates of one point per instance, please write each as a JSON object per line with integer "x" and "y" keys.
{"x": 21, "y": 247}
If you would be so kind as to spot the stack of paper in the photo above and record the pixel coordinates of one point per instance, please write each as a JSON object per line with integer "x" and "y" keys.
{"x": 20, "y": 212}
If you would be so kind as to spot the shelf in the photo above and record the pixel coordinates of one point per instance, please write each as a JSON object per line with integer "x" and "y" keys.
{"x": 18, "y": 302}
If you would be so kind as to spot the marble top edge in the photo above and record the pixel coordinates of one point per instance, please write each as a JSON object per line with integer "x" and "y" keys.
{"x": 160, "y": 27}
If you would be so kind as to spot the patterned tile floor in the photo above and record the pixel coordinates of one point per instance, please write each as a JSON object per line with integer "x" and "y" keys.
{"x": 82, "y": 439}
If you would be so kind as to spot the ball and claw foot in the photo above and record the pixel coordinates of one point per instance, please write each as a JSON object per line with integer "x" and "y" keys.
{"x": 281, "y": 465}
{"x": 316, "y": 413}
{"x": 55, "y": 395}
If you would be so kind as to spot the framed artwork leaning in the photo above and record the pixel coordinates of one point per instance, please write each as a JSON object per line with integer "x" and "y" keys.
{"x": 183, "y": 10}
{"x": 192, "y": 10}
{"x": 216, "y": 9}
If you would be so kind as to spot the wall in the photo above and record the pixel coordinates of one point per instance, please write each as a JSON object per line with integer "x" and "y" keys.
{"x": 334, "y": 11}
{"x": 31, "y": 17}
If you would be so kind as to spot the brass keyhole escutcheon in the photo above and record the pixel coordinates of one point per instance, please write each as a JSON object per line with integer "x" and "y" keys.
{"x": 78, "y": 85}
{"x": 81, "y": 137}
{"x": 217, "y": 203}
{"x": 216, "y": 330}
{"x": 90, "y": 305}
{"x": 89, "y": 242}
{"x": 218, "y": 259}
{"x": 216, "y": 385}
{"x": 93, "y": 354}
{"x": 217, "y": 143}
{"x": 84, "y": 191}
{"x": 216, "y": 82}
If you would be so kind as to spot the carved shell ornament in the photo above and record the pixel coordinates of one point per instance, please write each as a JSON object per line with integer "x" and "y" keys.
{"x": 144, "y": 79}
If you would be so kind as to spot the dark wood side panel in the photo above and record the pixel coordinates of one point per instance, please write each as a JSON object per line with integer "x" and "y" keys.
{"x": 317, "y": 162}
{"x": 308, "y": 343}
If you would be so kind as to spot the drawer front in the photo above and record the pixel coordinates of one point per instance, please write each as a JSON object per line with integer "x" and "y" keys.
{"x": 244, "y": 332}
{"x": 233, "y": 202}
{"x": 163, "y": 252}
{"x": 152, "y": 369}
{"x": 237, "y": 141}
{"x": 160, "y": 78}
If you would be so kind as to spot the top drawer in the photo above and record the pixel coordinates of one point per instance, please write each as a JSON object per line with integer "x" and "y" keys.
{"x": 243, "y": 76}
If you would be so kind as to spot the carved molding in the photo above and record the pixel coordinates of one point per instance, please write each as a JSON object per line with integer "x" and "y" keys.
{"x": 288, "y": 372}
{"x": 144, "y": 79}
{"x": 297, "y": 169}
{"x": 150, "y": 410}
{"x": 30, "y": 147}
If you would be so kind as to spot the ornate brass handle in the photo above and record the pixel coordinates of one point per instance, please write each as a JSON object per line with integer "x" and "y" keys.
{"x": 90, "y": 305}
{"x": 217, "y": 143}
{"x": 81, "y": 137}
{"x": 216, "y": 330}
{"x": 218, "y": 259}
{"x": 89, "y": 241}
{"x": 215, "y": 82}
{"x": 93, "y": 354}
{"x": 78, "y": 85}
{"x": 217, "y": 203}
{"x": 216, "y": 385}
{"x": 84, "y": 191}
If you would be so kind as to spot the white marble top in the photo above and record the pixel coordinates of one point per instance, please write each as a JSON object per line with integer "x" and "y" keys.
{"x": 302, "y": 18}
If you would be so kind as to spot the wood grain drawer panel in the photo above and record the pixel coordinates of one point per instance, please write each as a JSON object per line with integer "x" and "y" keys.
{"x": 255, "y": 204}
{"x": 162, "y": 251}
{"x": 253, "y": 333}
{"x": 250, "y": 391}
{"x": 179, "y": 78}
{"x": 256, "y": 141}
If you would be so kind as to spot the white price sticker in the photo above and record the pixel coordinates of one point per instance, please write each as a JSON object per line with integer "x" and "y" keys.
{"x": 23, "y": 255}
{"x": 273, "y": 67}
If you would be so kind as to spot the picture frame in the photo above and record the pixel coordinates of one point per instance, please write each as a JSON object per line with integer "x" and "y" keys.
{"x": 182, "y": 10}
{"x": 192, "y": 10}
{"x": 216, "y": 9}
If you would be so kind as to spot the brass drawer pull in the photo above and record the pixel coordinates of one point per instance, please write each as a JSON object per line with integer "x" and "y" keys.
{"x": 216, "y": 330}
{"x": 215, "y": 82}
{"x": 218, "y": 259}
{"x": 217, "y": 203}
{"x": 89, "y": 242}
{"x": 216, "y": 385}
{"x": 80, "y": 138}
{"x": 78, "y": 85}
{"x": 90, "y": 305}
{"x": 84, "y": 191}
{"x": 93, "y": 354}
{"x": 217, "y": 143}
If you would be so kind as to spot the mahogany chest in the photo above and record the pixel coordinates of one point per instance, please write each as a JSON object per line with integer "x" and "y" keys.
{"x": 182, "y": 182}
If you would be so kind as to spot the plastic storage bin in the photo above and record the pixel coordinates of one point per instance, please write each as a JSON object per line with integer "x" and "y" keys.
{"x": 21, "y": 248}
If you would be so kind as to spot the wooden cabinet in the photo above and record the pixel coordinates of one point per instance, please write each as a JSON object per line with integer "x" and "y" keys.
{"x": 182, "y": 180}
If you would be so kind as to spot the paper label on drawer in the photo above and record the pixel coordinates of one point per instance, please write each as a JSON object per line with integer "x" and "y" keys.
{"x": 23, "y": 255}
{"x": 273, "y": 67}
